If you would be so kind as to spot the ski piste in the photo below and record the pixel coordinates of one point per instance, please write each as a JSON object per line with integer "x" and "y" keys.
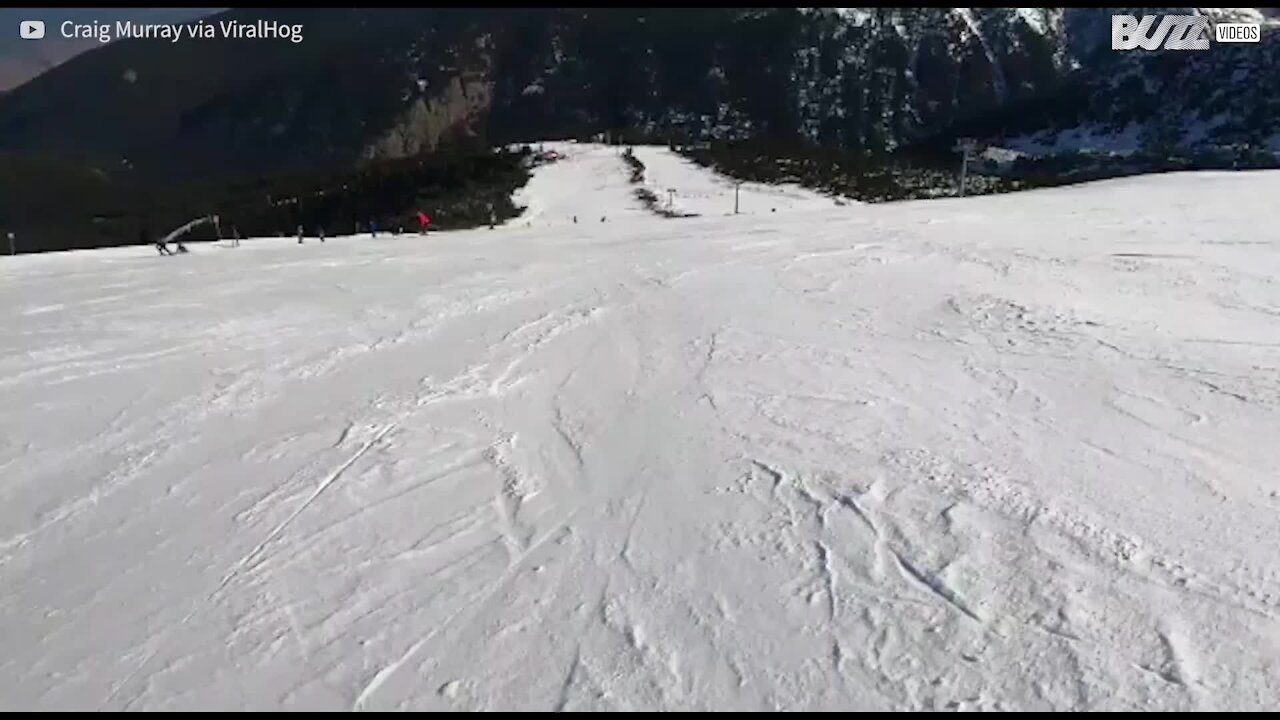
{"x": 1010, "y": 452}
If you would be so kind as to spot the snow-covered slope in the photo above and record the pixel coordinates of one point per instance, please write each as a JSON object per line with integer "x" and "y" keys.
{"x": 589, "y": 185}
{"x": 699, "y": 192}
{"x": 586, "y": 184}
{"x": 1009, "y": 452}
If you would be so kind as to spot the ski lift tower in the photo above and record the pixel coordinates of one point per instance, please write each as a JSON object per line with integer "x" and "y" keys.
{"x": 966, "y": 147}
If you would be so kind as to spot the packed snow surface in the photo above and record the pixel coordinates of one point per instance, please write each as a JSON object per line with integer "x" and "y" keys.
{"x": 1010, "y": 452}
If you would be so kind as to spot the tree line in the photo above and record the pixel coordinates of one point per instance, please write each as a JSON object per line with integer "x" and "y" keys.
{"x": 71, "y": 207}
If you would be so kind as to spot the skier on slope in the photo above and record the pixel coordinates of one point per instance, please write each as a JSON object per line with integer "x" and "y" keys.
{"x": 144, "y": 238}
{"x": 424, "y": 222}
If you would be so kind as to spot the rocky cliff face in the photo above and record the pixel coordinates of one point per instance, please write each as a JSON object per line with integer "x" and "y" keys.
{"x": 1156, "y": 103}
{"x": 865, "y": 79}
{"x": 459, "y": 108}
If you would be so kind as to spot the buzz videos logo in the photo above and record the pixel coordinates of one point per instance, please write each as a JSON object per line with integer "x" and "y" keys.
{"x": 1177, "y": 32}
{"x": 31, "y": 29}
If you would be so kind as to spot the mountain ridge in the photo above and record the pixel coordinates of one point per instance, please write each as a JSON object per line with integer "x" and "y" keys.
{"x": 860, "y": 84}
{"x": 867, "y": 79}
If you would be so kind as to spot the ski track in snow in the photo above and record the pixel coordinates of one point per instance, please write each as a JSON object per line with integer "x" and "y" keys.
{"x": 994, "y": 453}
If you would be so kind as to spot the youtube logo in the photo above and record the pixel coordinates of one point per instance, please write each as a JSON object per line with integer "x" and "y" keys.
{"x": 31, "y": 29}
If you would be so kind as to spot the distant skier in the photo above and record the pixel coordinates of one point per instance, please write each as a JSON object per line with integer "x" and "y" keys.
{"x": 424, "y": 222}
{"x": 235, "y": 236}
{"x": 320, "y": 230}
{"x": 144, "y": 238}
{"x": 373, "y": 228}
{"x": 299, "y": 234}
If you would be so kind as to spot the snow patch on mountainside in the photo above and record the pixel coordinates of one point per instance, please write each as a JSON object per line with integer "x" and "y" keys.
{"x": 997, "y": 72}
{"x": 1085, "y": 138}
{"x": 1036, "y": 18}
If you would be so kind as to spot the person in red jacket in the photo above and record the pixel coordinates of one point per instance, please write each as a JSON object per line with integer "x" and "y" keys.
{"x": 424, "y": 222}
